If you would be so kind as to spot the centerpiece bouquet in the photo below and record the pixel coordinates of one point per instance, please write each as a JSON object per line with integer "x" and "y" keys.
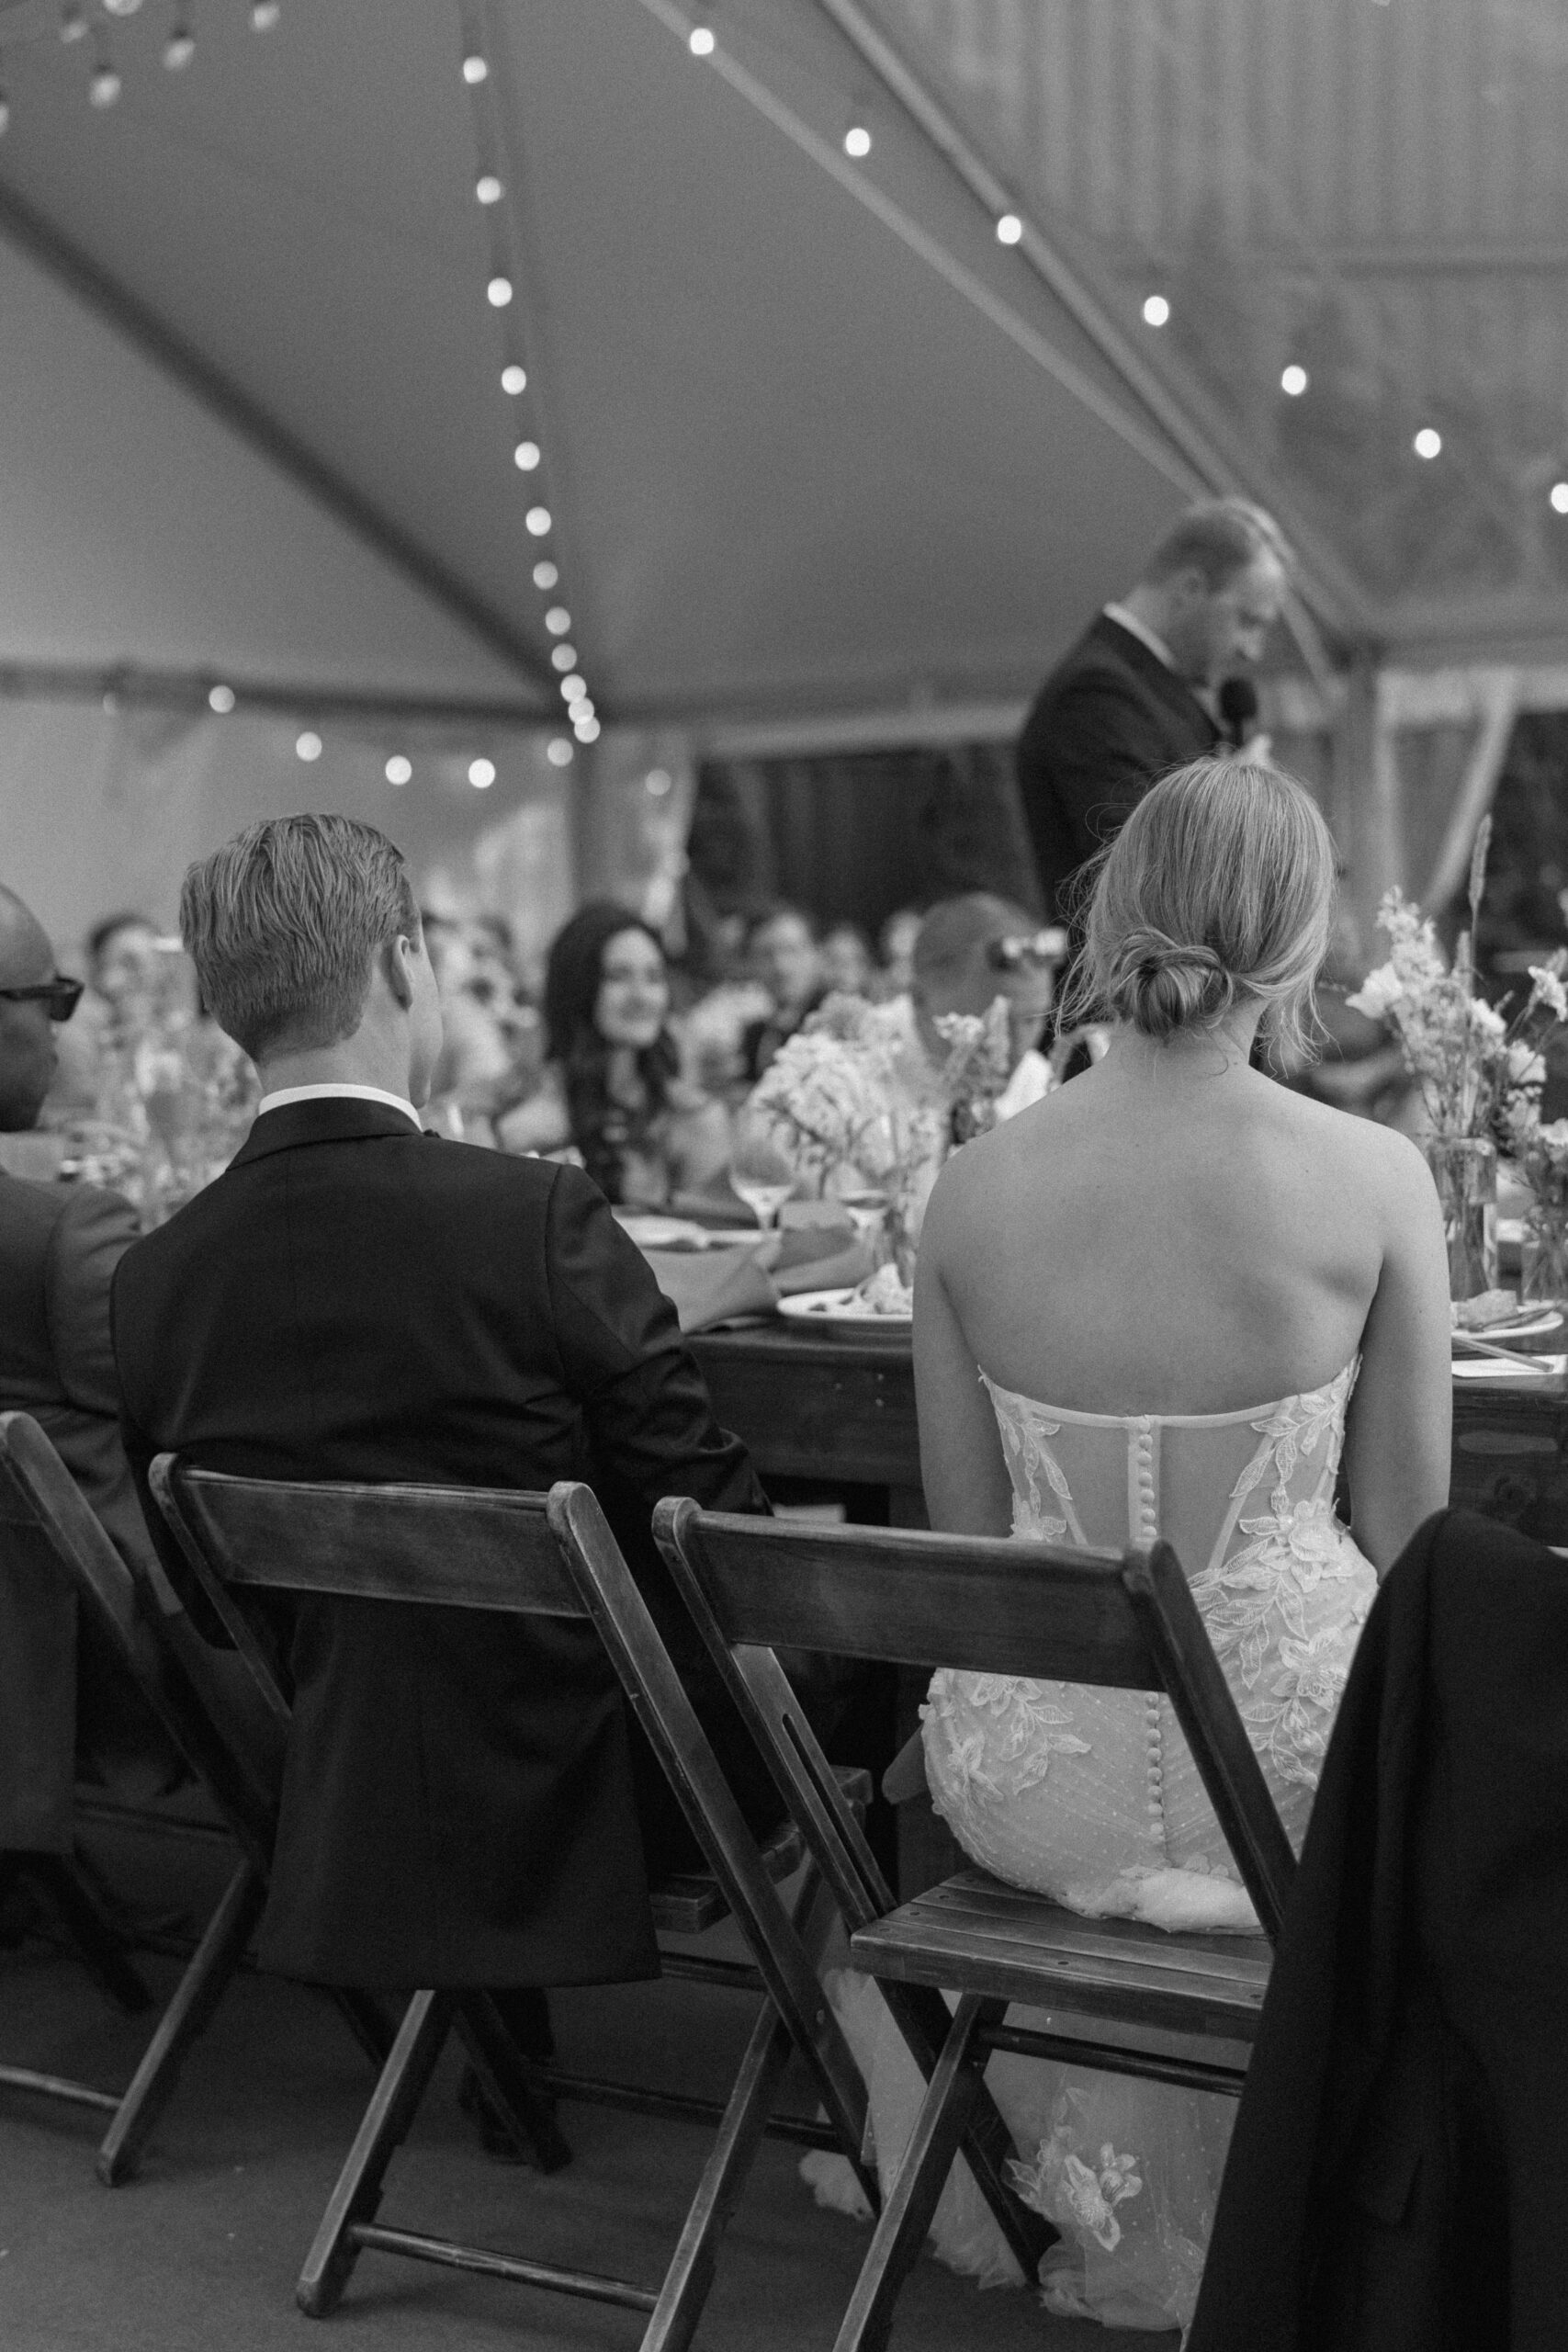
{"x": 831, "y": 1101}
{"x": 978, "y": 1065}
{"x": 1480, "y": 1069}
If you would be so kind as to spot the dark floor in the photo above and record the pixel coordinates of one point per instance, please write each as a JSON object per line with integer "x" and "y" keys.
{"x": 200, "y": 2252}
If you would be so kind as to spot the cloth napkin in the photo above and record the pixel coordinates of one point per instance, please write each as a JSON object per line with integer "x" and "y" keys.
{"x": 711, "y": 1286}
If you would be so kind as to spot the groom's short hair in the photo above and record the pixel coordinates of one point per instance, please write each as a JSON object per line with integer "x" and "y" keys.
{"x": 282, "y": 923}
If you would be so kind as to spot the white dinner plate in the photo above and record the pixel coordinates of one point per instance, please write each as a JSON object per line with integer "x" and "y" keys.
{"x": 651, "y": 1231}
{"x": 844, "y": 1311}
{"x": 1532, "y": 1325}
{"x": 1487, "y": 1371}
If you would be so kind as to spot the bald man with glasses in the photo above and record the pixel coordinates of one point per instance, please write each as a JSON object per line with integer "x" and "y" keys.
{"x": 59, "y": 1244}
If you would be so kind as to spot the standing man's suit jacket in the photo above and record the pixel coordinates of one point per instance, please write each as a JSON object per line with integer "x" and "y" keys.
{"x": 354, "y": 1300}
{"x": 1110, "y": 720}
{"x": 59, "y": 1247}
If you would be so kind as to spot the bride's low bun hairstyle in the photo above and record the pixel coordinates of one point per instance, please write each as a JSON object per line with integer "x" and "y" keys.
{"x": 1218, "y": 891}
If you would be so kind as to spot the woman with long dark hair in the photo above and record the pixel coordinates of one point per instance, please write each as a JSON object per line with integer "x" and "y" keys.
{"x": 612, "y": 1088}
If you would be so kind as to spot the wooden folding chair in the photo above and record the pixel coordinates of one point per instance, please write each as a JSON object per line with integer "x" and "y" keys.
{"x": 990, "y": 1606}
{"x": 470, "y": 1548}
{"x": 237, "y": 1755}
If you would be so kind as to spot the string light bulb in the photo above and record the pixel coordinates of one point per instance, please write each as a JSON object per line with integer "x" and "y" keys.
{"x": 72, "y": 24}
{"x": 557, "y": 620}
{"x": 481, "y": 775}
{"x": 475, "y": 70}
{"x": 105, "y": 87}
{"x": 180, "y": 47}
{"x": 557, "y": 751}
{"x": 1429, "y": 443}
{"x": 399, "y": 770}
{"x": 563, "y": 657}
{"x": 122, "y": 8}
{"x": 573, "y": 688}
{"x": 5, "y": 114}
{"x": 220, "y": 698}
{"x": 1293, "y": 382}
{"x": 513, "y": 380}
{"x": 700, "y": 41}
{"x": 309, "y": 745}
{"x": 544, "y": 576}
{"x": 857, "y": 141}
{"x": 1010, "y": 229}
{"x": 264, "y": 14}
{"x": 525, "y": 456}
{"x": 488, "y": 188}
{"x": 586, "y": 731}
{"x": 498, "y": 293}
{"x": 1559, "y": 496}
{"x": 538, "y": 519}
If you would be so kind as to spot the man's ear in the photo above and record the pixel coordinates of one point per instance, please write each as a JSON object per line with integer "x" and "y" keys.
{"x": 396, "y": 957}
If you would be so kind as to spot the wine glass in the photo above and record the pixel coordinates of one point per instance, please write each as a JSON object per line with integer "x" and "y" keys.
{"x": 761, "y": 1174}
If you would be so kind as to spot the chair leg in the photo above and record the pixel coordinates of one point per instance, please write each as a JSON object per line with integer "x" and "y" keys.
{"x": 504, "y": 2078}
{"x": 197, "y": 1996}
{"x": 102, "y": 1952}
{"x": 405, "y": 2079}
{"x": 768, "y": 2051}
{"x": 923, "y": 2018}
{"x": 907, "y": 2211}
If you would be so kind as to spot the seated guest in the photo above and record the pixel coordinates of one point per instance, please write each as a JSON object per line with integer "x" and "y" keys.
{"x": 58, "y": 1245}
{"x": 967, "y": 952}
{"x": 783, "y": 953}
{"x": 355, "y": 1300}
{"x": 612, "y": 1090}
{"x": 1160, "y": 1303}
{"x": 846, "y": 961}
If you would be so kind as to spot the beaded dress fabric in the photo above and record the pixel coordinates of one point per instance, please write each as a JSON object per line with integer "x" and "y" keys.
{"x": 1092, "y": 1797}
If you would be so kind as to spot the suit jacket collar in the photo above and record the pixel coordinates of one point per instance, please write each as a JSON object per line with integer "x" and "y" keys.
{"x": 1131, "y": 650}
{"x": 338, "y": 1118}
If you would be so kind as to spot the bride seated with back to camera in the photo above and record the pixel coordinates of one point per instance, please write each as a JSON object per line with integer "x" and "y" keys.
{"x": 1160, "y": 1303}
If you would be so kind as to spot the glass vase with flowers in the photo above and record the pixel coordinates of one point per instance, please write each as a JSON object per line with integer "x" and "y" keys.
{"x": 1480, "y": 1066}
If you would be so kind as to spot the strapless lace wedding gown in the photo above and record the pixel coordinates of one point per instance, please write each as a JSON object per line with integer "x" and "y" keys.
{"x": 1092, "y": 1797}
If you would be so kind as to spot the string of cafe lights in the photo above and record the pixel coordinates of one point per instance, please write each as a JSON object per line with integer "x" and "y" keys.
{"x": 1010, "y": 229}
{"x": 501, "y": 291}
{"x": 89, "y": 27}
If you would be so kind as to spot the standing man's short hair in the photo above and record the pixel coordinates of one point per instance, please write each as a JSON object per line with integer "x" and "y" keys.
{"x": 282, "y": 923}
{"x": 1217, "y": 539}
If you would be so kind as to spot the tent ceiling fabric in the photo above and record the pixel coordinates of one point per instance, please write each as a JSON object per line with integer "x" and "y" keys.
{"x": 812, "y": 439}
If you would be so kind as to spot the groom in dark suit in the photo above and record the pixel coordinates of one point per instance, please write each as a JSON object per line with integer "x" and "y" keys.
{"x": 1123, "y": 707}
{"x": 465, "y": 1804}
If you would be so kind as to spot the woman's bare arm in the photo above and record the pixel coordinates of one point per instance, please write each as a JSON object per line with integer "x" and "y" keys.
{"x": 968, "y": 1488}
{"x": 1401, "y": 1423}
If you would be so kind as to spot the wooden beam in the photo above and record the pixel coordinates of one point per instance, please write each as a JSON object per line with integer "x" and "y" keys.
{"x": 71, "y": 266}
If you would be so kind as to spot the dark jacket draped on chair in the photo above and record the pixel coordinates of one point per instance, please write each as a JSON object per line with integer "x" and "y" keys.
{"x": 1399, "y": 2170}
{"x": 354, "y": 1300}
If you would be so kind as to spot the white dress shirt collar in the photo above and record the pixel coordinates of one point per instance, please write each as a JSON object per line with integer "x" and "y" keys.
{"x": 336, "y": 1093}
{"x": 1140, "y": 630}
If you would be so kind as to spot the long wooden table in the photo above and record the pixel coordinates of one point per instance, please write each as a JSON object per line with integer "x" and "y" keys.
{"x": 842, "y": 1412}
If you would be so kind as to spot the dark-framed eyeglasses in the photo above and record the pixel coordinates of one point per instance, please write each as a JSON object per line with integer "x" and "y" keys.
{"x": 1038, "y": 947}
{"x": 60, "y": 995}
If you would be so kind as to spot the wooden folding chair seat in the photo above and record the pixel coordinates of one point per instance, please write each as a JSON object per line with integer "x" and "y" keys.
{"x": 990, "y": 1606}
{"x": 468, "y": 1548}
{"x": 45, "y": 1523}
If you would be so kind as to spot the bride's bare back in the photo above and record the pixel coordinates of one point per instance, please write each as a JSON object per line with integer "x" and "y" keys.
{"x": 1175, "y": 1233}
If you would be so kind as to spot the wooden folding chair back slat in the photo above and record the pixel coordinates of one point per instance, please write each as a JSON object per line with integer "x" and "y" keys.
{"x": 506, "y": 1551}
{"x": 164, "y": 1658}
{"x": 982, "y": 1604}
{"x": 1123, "y": 1621}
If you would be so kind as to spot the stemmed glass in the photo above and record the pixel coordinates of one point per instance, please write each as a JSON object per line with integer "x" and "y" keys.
{"x": 760, "y": 1173}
